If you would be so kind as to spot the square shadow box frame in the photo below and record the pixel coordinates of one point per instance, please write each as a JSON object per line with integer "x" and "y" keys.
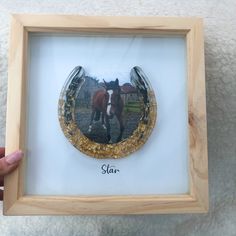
{"x": 17, "y": 202}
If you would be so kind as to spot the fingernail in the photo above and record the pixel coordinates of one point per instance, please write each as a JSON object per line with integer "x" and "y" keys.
{"x": 14, "y": 157}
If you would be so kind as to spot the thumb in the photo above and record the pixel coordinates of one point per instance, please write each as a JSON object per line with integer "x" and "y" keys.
{"x": 10, "y": 162}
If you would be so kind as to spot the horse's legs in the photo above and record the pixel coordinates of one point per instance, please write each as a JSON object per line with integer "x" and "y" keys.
{"x": 119, "y": 118}
{"x": 103, "y": 123}
{"x": 91, "y": 121}
{"x": 108, "y": 128}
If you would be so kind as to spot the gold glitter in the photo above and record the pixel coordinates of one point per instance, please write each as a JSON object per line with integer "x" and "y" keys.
{"x": 116, "y": 150}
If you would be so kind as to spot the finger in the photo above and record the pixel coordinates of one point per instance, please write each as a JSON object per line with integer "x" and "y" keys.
{"x": 10, "y": 162}
{"x": 2, "y": 152}
{"x": 1, "y": 194}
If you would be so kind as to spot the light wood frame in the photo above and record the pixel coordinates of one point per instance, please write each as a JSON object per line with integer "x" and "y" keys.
{"x": 17, "y": 203}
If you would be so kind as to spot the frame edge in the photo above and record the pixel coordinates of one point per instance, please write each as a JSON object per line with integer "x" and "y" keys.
{"x": 197, "y": 116}
{"x": 15, "y": 123}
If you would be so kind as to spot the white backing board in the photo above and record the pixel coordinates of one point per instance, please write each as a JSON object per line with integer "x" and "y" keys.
{"x": 55, "y": 167}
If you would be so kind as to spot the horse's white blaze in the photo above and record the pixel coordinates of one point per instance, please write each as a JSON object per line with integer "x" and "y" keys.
{"x": 110, "y": 92}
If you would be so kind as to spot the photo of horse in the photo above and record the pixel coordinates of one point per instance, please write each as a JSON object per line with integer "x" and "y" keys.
{"x": 108, "y": 111}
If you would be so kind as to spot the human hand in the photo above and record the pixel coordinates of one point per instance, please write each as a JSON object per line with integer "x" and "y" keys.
{"x": 8, "y": 164}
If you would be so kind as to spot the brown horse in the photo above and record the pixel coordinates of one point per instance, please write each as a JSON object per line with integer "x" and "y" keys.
{"x": 109, "y": 103}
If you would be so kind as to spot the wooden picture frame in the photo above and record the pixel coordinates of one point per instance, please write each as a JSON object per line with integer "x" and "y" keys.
{"x": 15, "y": 200}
